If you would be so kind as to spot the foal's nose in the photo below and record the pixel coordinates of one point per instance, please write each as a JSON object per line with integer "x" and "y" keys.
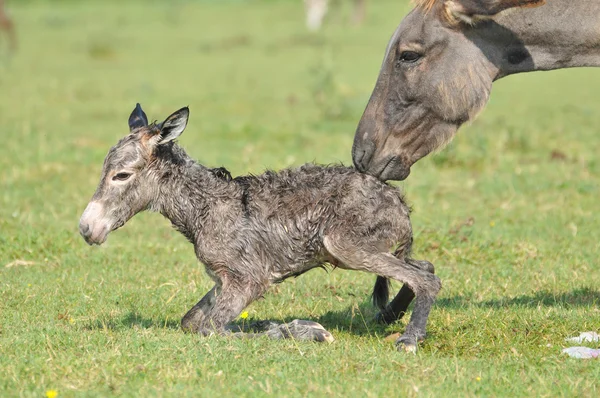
{"x": 84, "y": 230}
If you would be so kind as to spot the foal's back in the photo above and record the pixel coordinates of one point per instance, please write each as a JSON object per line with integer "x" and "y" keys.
{"x": 287, "y": 214}
{"x": 318, "y": 193}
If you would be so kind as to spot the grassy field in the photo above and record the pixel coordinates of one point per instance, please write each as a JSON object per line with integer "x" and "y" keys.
{"x": 508, "y": 212}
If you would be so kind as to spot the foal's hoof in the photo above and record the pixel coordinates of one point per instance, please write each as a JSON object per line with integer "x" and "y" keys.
{"x": 301, "y": 330}
{"x": 406, "y": 344}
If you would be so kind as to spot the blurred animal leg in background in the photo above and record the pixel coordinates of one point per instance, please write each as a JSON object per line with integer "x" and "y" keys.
{"x": 7, "y": 25}
{"x": 359, "y": 12}
{"x": 317, "y": 9}
{"x": 315, "y": 12}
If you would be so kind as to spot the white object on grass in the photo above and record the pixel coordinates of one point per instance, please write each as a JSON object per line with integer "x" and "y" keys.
{"x": 581, "y": 352}
{"x": 590, "y": 337}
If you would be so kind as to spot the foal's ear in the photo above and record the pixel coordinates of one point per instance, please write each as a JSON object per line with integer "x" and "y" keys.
{"x": 472, "y": 11}
{"x": 173, "y": 126}
{"x": 137, "y": 118}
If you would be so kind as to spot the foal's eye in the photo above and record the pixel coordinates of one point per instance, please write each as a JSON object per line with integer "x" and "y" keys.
{"x": 121, "y": 176}
{"x": 409, "y": 56}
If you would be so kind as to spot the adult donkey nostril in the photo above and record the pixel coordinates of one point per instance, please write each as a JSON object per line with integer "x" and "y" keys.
{"x": 362, "y": 155}
{"x": 363, "y": 148}
{"x": 357, "y": 160}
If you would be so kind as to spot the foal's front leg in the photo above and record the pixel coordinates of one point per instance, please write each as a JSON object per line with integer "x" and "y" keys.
{"x": 299, "y": 329}
{"x": 221, "y": 305}
{"x": 225, "y": 301}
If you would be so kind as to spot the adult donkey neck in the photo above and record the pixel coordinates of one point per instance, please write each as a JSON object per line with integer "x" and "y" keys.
{"x": 187, "y": 191}
{"x": 559, "y": 34}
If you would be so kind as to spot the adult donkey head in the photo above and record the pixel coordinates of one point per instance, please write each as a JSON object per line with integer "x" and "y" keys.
{"x": 436, "y": 75}
{"x": 127, "y": 183}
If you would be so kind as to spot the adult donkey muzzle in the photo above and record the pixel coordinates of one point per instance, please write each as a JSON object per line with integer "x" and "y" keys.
{"x": 389, "y": 168}
{"x": 368, "y": 159}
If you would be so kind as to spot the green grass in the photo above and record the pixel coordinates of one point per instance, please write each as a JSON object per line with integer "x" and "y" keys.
{"x": 263, "y": 93}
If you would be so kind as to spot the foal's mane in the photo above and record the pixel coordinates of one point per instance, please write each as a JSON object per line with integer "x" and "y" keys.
{"x": 425, "y": 4}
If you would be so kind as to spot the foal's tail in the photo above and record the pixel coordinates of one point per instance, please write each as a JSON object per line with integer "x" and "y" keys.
{"x": 381, "y": 292}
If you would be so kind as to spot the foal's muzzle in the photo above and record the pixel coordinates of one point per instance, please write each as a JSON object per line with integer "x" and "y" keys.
{"x": 92, "y": 226}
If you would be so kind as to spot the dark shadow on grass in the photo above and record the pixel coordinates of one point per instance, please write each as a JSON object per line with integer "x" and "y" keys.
{"x": 582, "y": 297}
{"x": 359, "y": 319}
{"x": 133, "y": 320}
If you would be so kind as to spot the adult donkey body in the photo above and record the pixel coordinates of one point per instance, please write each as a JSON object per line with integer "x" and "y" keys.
{"x": 438, "y": 71}
{"x": 442, "y": 59}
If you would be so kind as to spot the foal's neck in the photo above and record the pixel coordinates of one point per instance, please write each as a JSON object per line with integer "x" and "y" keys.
{"x": 187, "y": 191}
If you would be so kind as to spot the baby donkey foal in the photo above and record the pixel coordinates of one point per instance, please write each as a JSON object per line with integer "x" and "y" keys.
{"x": 253, "y": 231}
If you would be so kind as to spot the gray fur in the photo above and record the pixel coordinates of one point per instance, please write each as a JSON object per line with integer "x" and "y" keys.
{"x": 253, "y": 231}
{"x": 463, "y": 46}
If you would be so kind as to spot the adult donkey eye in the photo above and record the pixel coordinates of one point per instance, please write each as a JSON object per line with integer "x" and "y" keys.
{"x": 409, "y": 56}
{"x": 121, "y": 176}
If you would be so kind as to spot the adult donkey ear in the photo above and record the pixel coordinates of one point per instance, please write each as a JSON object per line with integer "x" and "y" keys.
{"x": 137, "y": 118}
{"x": 173, "y": 126}
{"x": 472, "y": 11}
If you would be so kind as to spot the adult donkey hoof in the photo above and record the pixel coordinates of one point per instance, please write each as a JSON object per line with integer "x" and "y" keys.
{"x": 301, "y": 330}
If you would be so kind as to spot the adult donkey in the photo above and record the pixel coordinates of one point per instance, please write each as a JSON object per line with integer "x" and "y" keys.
{"x": 438, "y": 70}
{"x": 442, "y": 59}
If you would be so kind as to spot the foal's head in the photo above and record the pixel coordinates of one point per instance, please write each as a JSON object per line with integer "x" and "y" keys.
{"x": 127, "y": 183}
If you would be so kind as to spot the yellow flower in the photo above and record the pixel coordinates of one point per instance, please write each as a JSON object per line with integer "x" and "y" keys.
{"x": 244, "y": 315}
{"x": 51, "y": 394}
{"x": 492, "y": 223}
{"x": 71, "y": 321}
{"x": 478, "y": 378}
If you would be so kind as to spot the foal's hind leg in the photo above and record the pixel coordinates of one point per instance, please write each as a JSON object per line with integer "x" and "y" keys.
{"x": 397, "y": 307}
{"x": 425, "y": 284}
